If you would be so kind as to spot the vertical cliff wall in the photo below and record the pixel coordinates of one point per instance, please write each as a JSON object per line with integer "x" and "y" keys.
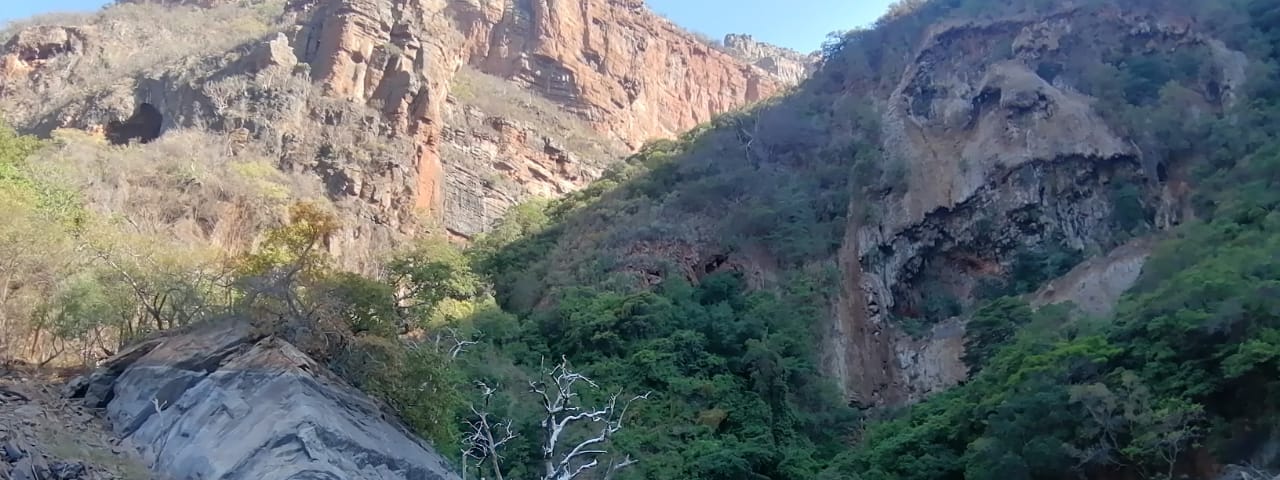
{"x": 370, "y": 97}
{"x": 629, "y": 74}
{"x": 999, "y": 152}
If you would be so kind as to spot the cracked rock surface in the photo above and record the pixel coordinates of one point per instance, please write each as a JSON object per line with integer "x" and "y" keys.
{"x": 219, "y": 403}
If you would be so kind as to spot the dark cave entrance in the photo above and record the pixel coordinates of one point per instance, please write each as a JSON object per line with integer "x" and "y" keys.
{"x": 143, "y": 126}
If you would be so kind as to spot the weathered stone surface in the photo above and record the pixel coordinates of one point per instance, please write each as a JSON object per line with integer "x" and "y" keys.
{"x": 493, "y": 161}
{"x": 44, "y": 437}
{"x": 787, "y": 66}
{"x": 993, "y": 157}
{"x": 246, "y": 408}
{"x": 276, "y": 52}
{"x": 31, "y": 48}
{"x": 1097, "y": 284}
{"x": 631, "y": 73}
{"x": 628, "y": 74}
{"x": 399, "y": 58}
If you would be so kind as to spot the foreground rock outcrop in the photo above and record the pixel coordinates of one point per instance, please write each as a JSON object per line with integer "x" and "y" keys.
{"x": 219, "y": 403}
{"x": 45, "y": 437}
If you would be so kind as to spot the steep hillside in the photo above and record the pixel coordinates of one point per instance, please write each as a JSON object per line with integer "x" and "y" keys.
{"x": 1029, "y": 239}
{"x": 874, "y": 228}
{"x": 372, "y": 97}
{"x": 989, "y": 143}
{"x": 198, "y": 164}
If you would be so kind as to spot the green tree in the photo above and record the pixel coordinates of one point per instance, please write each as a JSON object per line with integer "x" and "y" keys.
{"x": 430, "y": 274}
{"x": 992, "y": 327}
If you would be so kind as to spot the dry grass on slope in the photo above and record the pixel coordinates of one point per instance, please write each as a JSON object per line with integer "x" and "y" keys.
{"x": 123, "y": 220}
{"x": 122, "y": 41}
{"x": 10, "y": 28}
{"x": 498, "y": 97}
{"x": 188, "y": 185}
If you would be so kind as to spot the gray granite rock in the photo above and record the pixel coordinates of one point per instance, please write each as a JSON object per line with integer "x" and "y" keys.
{"x": 217, "y": 403}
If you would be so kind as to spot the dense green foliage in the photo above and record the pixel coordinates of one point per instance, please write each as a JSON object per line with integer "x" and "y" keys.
{"x": 736, "y": 386}
{"x": 737, "y": 392}
{"x": 1188, "y": 359}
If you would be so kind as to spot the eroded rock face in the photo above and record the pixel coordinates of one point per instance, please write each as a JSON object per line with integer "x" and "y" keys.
{"x": 493, "y": 162}
{"x": 396, "y": 56}
{"x": 996, "y": 154}
{"x": 1096, "y": 285}
{"x": 788, "y": 66}
{"x": 631, "y": 73}
{"x": 628, "y": 74}
{"x": 30, "y": 49}
{"x": 249, "y": 408}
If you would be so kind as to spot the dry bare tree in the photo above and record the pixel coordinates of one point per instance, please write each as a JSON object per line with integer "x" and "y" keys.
{"x": 564, "y": 418}
{"x": 564, "y": 459}
{"x": 485, "y": 437}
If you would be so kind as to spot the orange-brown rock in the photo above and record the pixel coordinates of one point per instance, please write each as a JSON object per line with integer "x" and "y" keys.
{"x": 356, "y": 93}
{"x": 634, "y": 74}
{"x": 629, "y": 73}
{"x": 398, "y": 57}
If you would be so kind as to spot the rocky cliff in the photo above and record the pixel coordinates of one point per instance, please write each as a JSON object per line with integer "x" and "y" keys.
{"x": 402, "y": 135}
{"x": 921, "y": 180}
{"x": 220, "y": 403}
{"x": 788, "y": 66}
{"x": 1000, "y": 152}
{"x": 608, "y": 62}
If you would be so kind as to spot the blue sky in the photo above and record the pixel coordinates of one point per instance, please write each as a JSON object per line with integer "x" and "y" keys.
{"x": 18, "y": 9}
{"x": 798, "y": 24}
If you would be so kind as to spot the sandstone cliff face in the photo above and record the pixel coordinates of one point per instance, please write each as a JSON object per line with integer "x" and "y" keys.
{"x": 629, "y": 74}
{"x": 503, "y": 145}
{"x": 788, "y": 66}
{"x": 357, "y": 94}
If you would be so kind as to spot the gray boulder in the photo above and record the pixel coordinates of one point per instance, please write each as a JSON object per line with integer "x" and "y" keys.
{"x": 219, "y": 403}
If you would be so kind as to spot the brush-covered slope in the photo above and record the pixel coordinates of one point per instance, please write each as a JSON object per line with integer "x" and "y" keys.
{"x": 408, "y": 114}
{"x": 864, "y": 243}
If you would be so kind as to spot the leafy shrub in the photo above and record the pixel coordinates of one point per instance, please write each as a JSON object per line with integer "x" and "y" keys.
{"x": 418, "y": 383}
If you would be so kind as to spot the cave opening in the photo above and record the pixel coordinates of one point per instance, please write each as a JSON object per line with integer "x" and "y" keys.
{"x": 713, "y": 265}
{"x": 144, "y": 126}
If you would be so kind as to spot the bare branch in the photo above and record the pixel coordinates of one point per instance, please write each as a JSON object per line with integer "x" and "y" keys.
{"x": 485, "y": 438}
{"x": 561, "y": 413}
{"x": 626, "y": 461}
